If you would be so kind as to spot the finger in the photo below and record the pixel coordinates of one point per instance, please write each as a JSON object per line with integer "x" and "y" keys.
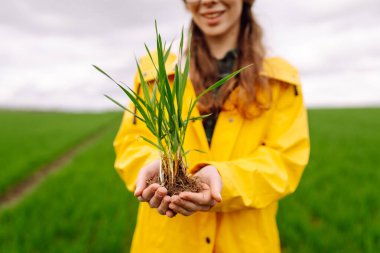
{"x": 170, "y": 213}
{"x": 191, "y": 206}
{"x": 144, "y": 174}
{"x": 180, "y": 210}
{"x": 215, "y": 185}
{"x": 139, "y": 198}
{"x": 140, "y": 186}
{"x": 155, "y": 201}
{"x": 140, "y": 183}
{"x": 216, "y": 188}
{"x": 148, "y": 193}
{"x": 163, "y": 208}
{"x": 200, "y": 198}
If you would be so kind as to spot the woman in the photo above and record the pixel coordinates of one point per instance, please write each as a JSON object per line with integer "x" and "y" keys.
{"x": 256, "y": 143}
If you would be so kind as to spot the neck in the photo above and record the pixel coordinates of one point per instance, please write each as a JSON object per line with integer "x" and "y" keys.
{"x": 221, "y": 44}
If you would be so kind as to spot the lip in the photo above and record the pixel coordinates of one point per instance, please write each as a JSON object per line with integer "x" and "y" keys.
{"x": 212, "y": 17}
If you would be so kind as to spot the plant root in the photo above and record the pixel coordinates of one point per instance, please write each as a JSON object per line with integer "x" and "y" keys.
{"x": 182, "y": 182}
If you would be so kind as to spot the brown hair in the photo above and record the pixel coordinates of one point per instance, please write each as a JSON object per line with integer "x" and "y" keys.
{"x": 204, "y": 70}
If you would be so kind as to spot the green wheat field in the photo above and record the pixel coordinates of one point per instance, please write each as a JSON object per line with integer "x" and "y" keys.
{"x": 84, "y": 206}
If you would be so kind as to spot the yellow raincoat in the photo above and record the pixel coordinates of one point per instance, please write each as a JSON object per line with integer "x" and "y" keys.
{"x": 259, "y": 160}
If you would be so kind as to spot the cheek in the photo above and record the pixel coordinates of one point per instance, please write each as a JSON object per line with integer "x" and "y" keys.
{"x": 195, "y": 16}
{"x": 232, "y": 17}
{"x": 201, "y": 23}
{"x": 197, "y": 19}
{"x": 235, "y": 10}
{"x": 233, "y": 2}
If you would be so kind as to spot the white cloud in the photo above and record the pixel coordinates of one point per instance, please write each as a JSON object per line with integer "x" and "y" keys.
{"x": 46, "y": 55}
{"x": 335, "y": 45}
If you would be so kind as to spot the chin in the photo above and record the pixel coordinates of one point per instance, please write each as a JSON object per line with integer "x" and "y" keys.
{"x": 214, "y": 31}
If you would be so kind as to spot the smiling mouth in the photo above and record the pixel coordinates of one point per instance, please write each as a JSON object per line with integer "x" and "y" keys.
{"x": 213, "y": 15}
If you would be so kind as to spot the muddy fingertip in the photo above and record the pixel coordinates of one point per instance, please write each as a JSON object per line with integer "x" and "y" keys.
{"x": 166, "y": 199}
{"x": 170, "y": 214}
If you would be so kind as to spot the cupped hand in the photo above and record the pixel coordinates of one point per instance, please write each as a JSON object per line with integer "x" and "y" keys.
{"x": 154, "y": 194}
{"x": 186, "y": 203}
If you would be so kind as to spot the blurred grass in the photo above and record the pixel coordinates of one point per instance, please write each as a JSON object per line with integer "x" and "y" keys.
{"x": 86, "y": 208}
{"x": 82, "y": 208}
{"x": 30, "y": 140}
{"x": 336, "y": 207}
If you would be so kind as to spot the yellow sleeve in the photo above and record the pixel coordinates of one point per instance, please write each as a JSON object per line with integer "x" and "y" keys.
{"x": 132, "y": 152}
{"x": 275, "y": 168}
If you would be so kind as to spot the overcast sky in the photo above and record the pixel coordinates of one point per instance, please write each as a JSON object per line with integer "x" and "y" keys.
{"x": 47, "y": 48}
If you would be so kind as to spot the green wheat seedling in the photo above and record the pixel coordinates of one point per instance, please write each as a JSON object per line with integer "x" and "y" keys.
{"x": 160, "y": 109}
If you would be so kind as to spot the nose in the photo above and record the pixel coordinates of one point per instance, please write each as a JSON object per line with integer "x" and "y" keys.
{"x": 208, "y": 1}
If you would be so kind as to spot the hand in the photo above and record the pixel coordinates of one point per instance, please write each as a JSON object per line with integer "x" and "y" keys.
{"x": 189, "y": 202}
{"x": 154, "y": 194}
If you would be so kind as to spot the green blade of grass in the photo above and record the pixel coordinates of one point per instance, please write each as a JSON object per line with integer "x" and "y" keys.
{"x": 152, "y": 143}
{"x": 124, "y": 108}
